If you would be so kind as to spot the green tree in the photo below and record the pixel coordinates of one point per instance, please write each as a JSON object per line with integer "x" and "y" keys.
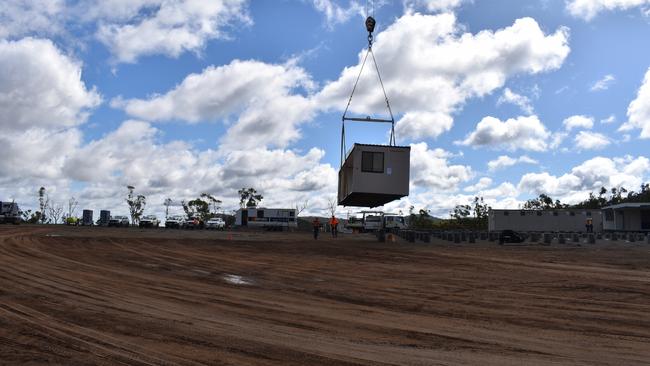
{"x": 197, "y": 208}
{"x": 43, "y": 203}
{"x": 215, "y": 203}
{"x": 248, "y": 197}
{"x": 136, "y": 204}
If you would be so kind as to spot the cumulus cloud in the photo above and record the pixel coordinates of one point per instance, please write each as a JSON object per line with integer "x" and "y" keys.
{"x": 432, "y": 5}
{"x": 431, "y": 68}
{"x": 589, "y": 176}
{"x": 23, "y": 17}
{"x": 604, "y": 83}
{"x": 505, "y": 161}
{"x": 588, "y": 9}
{"x": 586, "y": 140}
{"x": 638, "y": 112}
{"x": 171, "y": 28}
{"x": 335, "y": 13}
{"x": 40, "y": 86}
{"x": 431, "y": 169}
{"x": 519, "y": 100}
{"x": 608, "y": 120}
{"x": 262, "y": 99}
{"x": 526, "y": 133}
{"x": 482, "y": 183}
{"x": 578, "y": 121}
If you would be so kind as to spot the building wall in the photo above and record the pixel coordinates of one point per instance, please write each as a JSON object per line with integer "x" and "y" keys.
{"x": 543, "y": 220}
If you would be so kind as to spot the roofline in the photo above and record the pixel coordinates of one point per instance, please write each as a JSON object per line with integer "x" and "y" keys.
{"x": 627, "y": 205}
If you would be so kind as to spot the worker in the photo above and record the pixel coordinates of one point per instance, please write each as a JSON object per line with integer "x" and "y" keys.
{"x": 334, "y": 226}
{"x": 316, "y": 224}
{"x": 590, "y": 225}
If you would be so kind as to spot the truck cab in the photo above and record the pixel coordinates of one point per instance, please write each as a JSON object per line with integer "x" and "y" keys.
{"x": 9, "y": 213}
{"x": 149, "y": 221}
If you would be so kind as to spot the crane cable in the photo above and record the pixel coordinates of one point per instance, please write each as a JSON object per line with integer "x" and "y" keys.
{"x": 370, "y": 27}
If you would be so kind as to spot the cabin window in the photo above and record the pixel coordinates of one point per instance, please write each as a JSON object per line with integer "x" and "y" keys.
{"x": 506, "y": 213}
{"x": 572, "y": 213}
{"x": 522, "y": 213}
{"x": 555, "y": 213}
{"x": 291, "y": 213}
{"x": 372, "y": 162}
{"x": 609, "y": 215}
{"x": 588, "y": 213}
{"x": 260, "y": 214}
{"x": 539, "y": 213}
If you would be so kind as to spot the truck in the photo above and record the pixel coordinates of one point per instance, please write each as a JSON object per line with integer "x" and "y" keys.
{"x": 149, "y": 221}
{"x": 9, "y": 213}
{"x": 215, "y": 223}
{"x": 119, "y": 221}
{"x": 174, "y": 222}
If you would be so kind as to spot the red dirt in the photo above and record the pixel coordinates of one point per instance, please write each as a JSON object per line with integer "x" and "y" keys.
{"x": 97, "y": 296}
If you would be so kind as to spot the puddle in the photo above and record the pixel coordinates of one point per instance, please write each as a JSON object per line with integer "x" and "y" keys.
{"x": 236, "y": 280}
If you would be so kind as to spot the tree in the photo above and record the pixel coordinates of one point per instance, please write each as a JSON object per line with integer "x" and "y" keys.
{"x": 168, "y": 202}
{"x": 461, "y": 212}
{"x": 480, "y": 208}
{"x": 43, "y": 202}
{"x": 300, "y": 207}
{"x": 215, "y": 203}
{"x": 136, "y": 204}
{"x": 249, "y": 197}
{"x": 197, "y": 208}
{"x": 72, "y": 207}
{"x": 55, "y": 211}
{"x": 332, "y": 204}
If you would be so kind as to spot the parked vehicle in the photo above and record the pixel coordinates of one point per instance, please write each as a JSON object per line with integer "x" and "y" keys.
{"x": 9, "y": 213}
{"x": 174, "y": 222}
{"x": 193, "y": 223}
{"x": 149, "y": 221}
{"x": 72, "y": 221}
{"x": 215, "y": 223}
{"x": 119, "y": 221}
{"x": 372, "y": 223}
{"x": 394, "y": 222}
{"x": 509, "y": 236}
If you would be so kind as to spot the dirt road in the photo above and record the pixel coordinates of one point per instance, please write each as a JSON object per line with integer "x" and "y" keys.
{"x": 82, "y": 296}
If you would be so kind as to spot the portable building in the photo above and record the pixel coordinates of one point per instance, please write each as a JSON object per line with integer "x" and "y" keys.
{"x": 561, "y": 220}
{"x": 87, "y": 218}
{"x": 373, "y": 175}
{"x": 627, "y": 217}
{"x": 268, "y": 218}
{"x": 104, "y": 217}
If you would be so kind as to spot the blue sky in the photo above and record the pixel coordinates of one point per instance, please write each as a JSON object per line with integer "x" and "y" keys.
{"x": 497, "y": 98}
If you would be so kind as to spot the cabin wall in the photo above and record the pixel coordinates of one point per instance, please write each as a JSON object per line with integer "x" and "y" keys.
{"x": 544, "y": 220}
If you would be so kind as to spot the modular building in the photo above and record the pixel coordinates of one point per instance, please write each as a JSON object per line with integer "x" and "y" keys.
{"x": 373, "y": 175}
{"x": 562, "y": 220}
{"x": 627, "y": 217}
{"x": 104, "y": 217}
{"x": 87, "y": 218}
{"x": 267, "y": 218}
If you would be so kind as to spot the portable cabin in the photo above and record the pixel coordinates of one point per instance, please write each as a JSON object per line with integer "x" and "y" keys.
{"x": 555, "y": 220}
{"x": 267, "y": 218}
{"x": 87, "y": 218}
{"x": 104, "y": 217}
{"x": 634, "y": 216}
{"x": 373, "y": 175}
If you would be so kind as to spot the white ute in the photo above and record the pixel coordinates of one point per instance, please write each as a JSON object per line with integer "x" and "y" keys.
{"x": 215, "y": 223}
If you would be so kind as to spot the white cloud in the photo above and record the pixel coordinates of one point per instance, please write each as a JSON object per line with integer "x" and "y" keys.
{"x": 23, "y": 17}
{"x": 608, "y": 120}
{"x": 586, "y": 140}
{"x": 260, "y": 97}
{"x": 520, "y": 101}
{"x": 41, "y": 87}
{"x": 335, "y": 13}
{"x": 504, "y": 161}
{"x": 587, "y": 177}
{"x": 170, "y": 27}
{"x": 638, "y": 112}
{"x": 588, "y": 9}
{"x": 578, "y": 121}
{"x": 431, "y": 68}
{"x": 482, "y": 184}
{"x": 432, "y": 5}
{"x": 431, "y": 169}
{"x": 526, "y": 133}
{"x": 604, "y": 83}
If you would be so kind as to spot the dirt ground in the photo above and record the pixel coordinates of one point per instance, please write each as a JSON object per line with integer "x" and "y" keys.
{"x": 98, "y": 296}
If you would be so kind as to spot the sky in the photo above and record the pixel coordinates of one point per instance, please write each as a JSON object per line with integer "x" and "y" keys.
{"x": 499, "y": 99}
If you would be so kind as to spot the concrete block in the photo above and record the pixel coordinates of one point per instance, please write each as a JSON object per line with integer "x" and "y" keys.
{"x": 561, "y": 239}
{"x": 472, "y": 239}
{"x": 548, "y": 238}
{"x": 456, "y": 238}
{"x": 592, "y": 239}
{"x": 575, "y": 238}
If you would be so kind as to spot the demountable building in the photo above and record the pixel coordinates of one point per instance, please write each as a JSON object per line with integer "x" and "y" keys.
{"x": 373, "y": 175}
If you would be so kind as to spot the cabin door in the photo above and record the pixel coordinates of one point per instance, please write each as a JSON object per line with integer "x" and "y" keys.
{"x": 645, "y": 219}
{"x": 244, "y": 217}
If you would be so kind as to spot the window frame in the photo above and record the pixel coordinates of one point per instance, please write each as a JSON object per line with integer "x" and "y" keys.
{"x": 372, "y": 168}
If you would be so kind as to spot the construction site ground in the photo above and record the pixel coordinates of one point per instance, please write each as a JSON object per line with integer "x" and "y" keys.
{"x": 99, "y": 296}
